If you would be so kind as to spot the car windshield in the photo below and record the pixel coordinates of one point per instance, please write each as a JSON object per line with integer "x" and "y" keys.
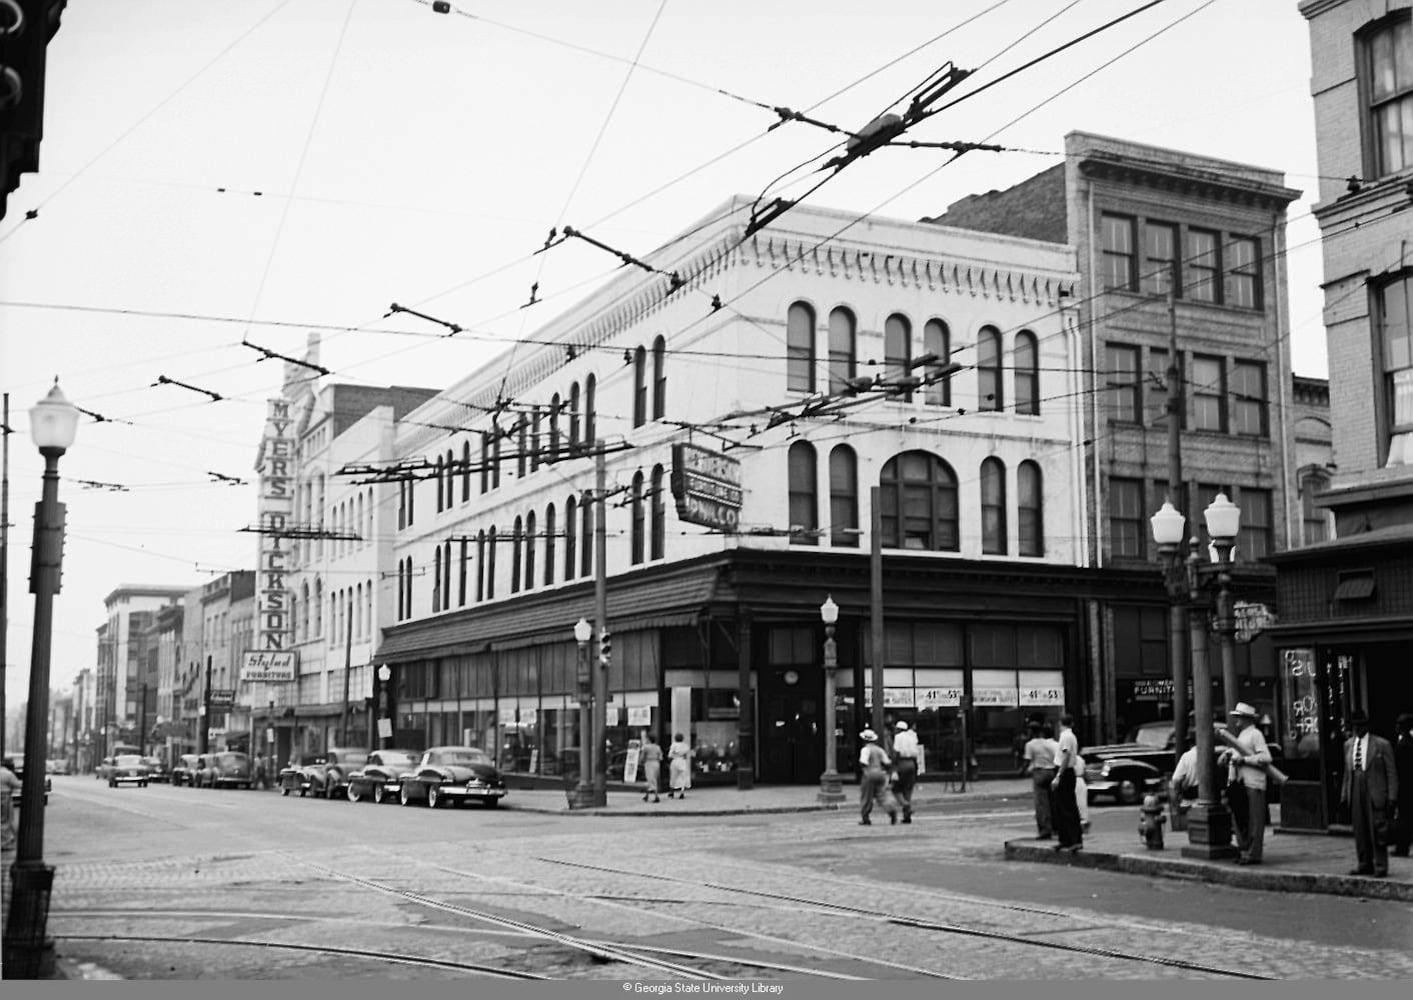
{"x": 1158, "y": 737}
{"x": 461, "y": 757}
{"x": 128, "y": 760}
{"x": 354, "y": 756}
{"x": 231, "y": 758}
{"x": 393, "y": 757}
{"x": 152, "y": 761}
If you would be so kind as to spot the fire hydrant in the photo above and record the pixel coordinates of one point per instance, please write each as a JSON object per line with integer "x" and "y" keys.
{"x": 1150, "y": 822}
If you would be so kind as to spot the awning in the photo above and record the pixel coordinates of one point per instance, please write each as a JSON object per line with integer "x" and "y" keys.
{"x": 1355, "y": 588}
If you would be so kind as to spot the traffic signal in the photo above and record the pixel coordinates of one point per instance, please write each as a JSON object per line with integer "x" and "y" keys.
{"x": 26, "y": 26}
{"x": 605, "y": 648}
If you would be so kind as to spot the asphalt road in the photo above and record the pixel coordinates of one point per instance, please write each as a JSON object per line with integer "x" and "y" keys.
{"x": 181, "y": 883}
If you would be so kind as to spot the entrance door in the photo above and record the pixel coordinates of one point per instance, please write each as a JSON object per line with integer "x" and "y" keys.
{"x": 1341, "y": 690}
{"x": 791, "y": 725}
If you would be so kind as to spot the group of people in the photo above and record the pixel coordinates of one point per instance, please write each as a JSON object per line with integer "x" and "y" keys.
{"x": 679, "y": 770}
{"x": 1057, "y": 777}
{"x": 887, "y": 780}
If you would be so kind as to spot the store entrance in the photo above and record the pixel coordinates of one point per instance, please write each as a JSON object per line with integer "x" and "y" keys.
{"x": 791, "y": 725}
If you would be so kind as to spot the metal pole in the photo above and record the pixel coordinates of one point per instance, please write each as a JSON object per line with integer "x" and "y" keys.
{"x": 28, "y": 950}
{"x": 875, "y": 604}
{"x": 1177, "y": 611}
{"x": 1208, "y": 822}
{"x": 1226, "y": 628}
{"x": 829, "y": 788}
{"x": 600, "y": 670}
{"x": 4, "y": 561}
{"x": 205, "y": 721}
{"x": 584, "y": 789}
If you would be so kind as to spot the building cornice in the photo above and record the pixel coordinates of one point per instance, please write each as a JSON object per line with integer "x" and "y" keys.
{"x": 1099, "y": 165}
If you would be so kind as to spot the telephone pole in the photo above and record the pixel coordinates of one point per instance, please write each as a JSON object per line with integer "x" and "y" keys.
{"x": 1177, "y": 610}
{"x": 600, "y": 669}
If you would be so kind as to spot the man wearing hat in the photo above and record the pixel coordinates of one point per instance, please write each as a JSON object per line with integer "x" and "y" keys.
{"x": 905, "y": 751}
{"x": 873, "y": 782}
{"x": 1246, "y": 783}
{"x": 1370, "y": 790}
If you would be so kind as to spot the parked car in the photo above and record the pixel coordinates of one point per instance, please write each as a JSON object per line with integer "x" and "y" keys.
{"x": 1124, "y": 780}
{"x": 16, "y": 797}
{"x": 452, "y": 775}
{"x": 127, "y": 769}
{"x": 59, "y": 765}
{"x": 294, "y": 776}
{"x": 184, "y": 770}
{"x": 226, "y": 769}
{"x": 379, "y": 777}
{"x": 330, "y": 779}
{"x": 157, "y": 769}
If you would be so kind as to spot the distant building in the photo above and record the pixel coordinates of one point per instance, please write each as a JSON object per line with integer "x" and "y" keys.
{"x": 123, "y": 660}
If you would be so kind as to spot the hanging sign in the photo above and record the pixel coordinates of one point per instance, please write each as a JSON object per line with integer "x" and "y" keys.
{"x": 707, "y": 487}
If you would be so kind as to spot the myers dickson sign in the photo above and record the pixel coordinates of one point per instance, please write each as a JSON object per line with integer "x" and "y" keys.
{"x": 707, "y": 487}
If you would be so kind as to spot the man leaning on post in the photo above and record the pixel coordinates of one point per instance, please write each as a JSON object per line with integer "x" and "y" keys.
{"x": 1246, "y": 783}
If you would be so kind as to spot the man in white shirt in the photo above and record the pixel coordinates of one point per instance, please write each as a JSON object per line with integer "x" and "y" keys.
{"x": 1246, "y": 788}
{"x": 905, "y": 754}
{"x": 1066, "y": 808}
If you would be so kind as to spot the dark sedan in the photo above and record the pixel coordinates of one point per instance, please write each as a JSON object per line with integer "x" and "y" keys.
{"x": 452, "y": 775}
{"x": 1124, "y": 780}
{"x": 329, "y": 778}
{"x": 157, "y": 769}
{"x": 379, "y": 778}
{"x": 294, "y": 776}
{"x": 184, "y": 770}
{"x": 230, "y": 768}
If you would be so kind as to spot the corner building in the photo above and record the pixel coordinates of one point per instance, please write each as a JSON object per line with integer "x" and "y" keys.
{"x": 825, "y": 371}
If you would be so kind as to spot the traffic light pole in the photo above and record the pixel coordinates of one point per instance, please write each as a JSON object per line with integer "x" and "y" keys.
{"x": 599, "y": 753}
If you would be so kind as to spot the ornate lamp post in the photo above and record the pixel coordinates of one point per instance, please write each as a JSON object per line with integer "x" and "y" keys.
{"x": 385, "y": 675}
{"x": 829, "y": 790}
{"x": 1223, "y": 524}
{"x": 583, "y": 797}
{"x": 1209, "y": 823}
{"x": 28, "y": 950}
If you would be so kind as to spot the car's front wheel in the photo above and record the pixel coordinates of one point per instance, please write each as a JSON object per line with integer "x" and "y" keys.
{"x": 379, "y": 793}
{"x": 1127, "y": 792}
{"x": 354, "y": 793}
{"x": 435, "y": 798}
{"x": 284, "y": 791}
{"x": 403, "y": 796}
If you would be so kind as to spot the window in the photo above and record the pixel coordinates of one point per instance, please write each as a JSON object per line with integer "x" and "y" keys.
{"x": 1030, "y": 509}
{"x": 1125, "y": 384}
{"x": 549, "y": 545}
{"x": 1390, "y": 51}
{"x": 590, "y": 384}
{"x": 497, "y": 436}
{"x": 553, "y": 430}
{"x": 522, "y": 434}
{"x": 804, "y": 518}
{"x": 1394, "y": 308}
{"x": 401, "y": 590}
{"x": 446, "y": 576}
{"x": 658, "y": 541}
{"x": 1254, "y": 539}
{"x": 635, "y": 500}
{"x": 465, "y": 471}
{"x": 534, "y": 438}
{"x": 843, "y": 497}
{"x": 1204, "y": 265}
{"x": 1160, "y": 240}
{"x": 1209, "y": 393}
{"x": 491, "y": 564}
{"x": 919, "y": 495}
{"x": 586, "y": 535}
{"x": 1156, "y": 412}
{"x": 1127, "y": 521}
{"x": 799, "y": 348}
{"x": 461, "y": 573}
{"x": 574, "y": 404}
{"x": 437, "y": 471}
{"x": 993, "y": 507}
{"x": 1243, "y": 288}
{"x": 897, "y": 350}
{"x": 570, "y": 527}
{"x": 988, "y": 370}
{"x": 640, "y": 387}
{"x": 1248, "y": 398}
{"x": 937, "y": 340}
{"x": 485, "y": 461}
{"x": 530, "y": 551}
{"x": 842, "y": 363}
{"x": 450, "y": 479}
{"x": 517, "y": 537}
{"x": 1315, "y": 519}
{"x": 1027, "y": 366}
{"x": 480, "y": 566}
{"x": 1118, "y": 266}
{"x": 659, "y": 378}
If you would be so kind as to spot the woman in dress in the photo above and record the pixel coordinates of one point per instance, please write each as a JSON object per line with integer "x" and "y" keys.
{"x": 652, "y": 767}
{"x": 679, "y": 757}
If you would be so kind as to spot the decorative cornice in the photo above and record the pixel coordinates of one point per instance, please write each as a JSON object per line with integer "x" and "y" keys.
{"x": 1188, "y": 180}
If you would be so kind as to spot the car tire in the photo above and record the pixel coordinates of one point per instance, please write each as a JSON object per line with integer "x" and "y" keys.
{"x": 435, "y": 798}
{"x": 402, "y": 797}
{"x": 112, "y": 783}
{"x": 491, "y": 803}
{"x": 379, "y": 794}
{"x": 354, "y": 795}
{"x": 303, "y": 791}
{"x": 1127, "y": 792}
{"x": 284, "y": 792}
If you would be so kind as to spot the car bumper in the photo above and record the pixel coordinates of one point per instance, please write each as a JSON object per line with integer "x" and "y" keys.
{"x": 131, "y": 779}
{"x": 471, "y": 792}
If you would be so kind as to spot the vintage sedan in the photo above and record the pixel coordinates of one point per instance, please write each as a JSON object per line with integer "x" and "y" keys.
{"x": 452, "y": 775}
{"x": 379, "y": 777}
{"x": 1124, "y": 780}
{"x": 157, "y": 769}
{"x": 184, "y": 770}
{"x": 127, "y": 769}
{"x": 17, "y": 796}
{"x": 294, "y": 776}
{"x": 227, "y": 769}
{"x": 329, "y": 778}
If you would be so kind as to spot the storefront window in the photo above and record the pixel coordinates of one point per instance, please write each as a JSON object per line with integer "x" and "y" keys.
{"x": 1300, "y": 738}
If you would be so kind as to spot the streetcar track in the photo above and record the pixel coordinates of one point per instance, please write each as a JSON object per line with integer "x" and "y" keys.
{"x": 955, "y": 929}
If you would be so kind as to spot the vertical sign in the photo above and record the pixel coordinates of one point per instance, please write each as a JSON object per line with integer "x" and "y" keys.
{"x": 273, "y": 629}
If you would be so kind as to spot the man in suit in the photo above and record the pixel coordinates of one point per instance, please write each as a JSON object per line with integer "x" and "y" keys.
{"x": 1403, "y": 759}
{"x": 1370, "y": 790}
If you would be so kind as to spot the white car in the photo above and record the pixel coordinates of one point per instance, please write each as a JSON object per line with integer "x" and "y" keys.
{"x": 129, "y": 769}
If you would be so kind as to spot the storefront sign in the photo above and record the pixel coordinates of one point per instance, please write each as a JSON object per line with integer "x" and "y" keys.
{"x": 385, "y": 729}
{"x": 1153, "y": 689}
{"x": 707, "y": 487}
{"x": 221, "y": 698}
{"x": 950, "y": 697}
{"x": 267, "y": 666}
{"x": 640, "y": 715}
{"x": 507, "y": 716}
{"x": 1251, "y": 620}
{"x": 630, "y": 763}
{"x": 1042, "y": 695}
{"x": 273, "y": 628}
{"x": 994, "y": 697}
{"x": 1302, "y": 705}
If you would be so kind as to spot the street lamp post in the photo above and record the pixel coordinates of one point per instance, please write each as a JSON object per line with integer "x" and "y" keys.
{"x": 1223, "y": 524}
{"x": 583, "y": 797}
{"x": 384, "y": 675}
{"x": 1209, "y": 823}
{"x": 829, "y": 789}
{"x": 28, "y": 950}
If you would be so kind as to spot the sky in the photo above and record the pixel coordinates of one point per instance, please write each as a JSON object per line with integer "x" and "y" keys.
{"x": 254, "y": 171}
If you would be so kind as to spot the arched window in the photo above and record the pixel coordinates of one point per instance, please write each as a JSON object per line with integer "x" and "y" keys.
{"x": 804, "y": 485}
{"x": 549, "y": 545}
{"x": 517, "y": 537}
{"x": 446, "y": 576}
{"x": 658, "y": 545}
{"x": 304, "y": 612}
{"x": 358, "y": 612}
{"x": 408, "y": 600}
{"x": 799, "y": 348}
{"x": 1030, "y": 510}
{"x": 1027, "y": 357}
{"x": 480, "y": 566}
{"x": 450, "y": 480}
{"x": 590, "y": 384}
{"x": 937, "y": 341}
{"x": 993, "y": 507}
{"x": 989, "y": 395}
{"x": 586, "y": 535}
{"x": 918, "y": 492}
{"x": 437, "y": 580}
{"x": 490, "y": 564}
{"x": 635, "y": 497}
{"x": 461, "y": 572}
{"x": 570, "y": 527}
{"x": 640, "y": 386}
{"x": 554, "y": 429}
{"x": 438, "y": 469}
{"x": 368, "y": 606}
{"x": 522, "y": 428}
{"x": 319, "y": 607}
{"x": 401, "y": 589}
{"x": 574, "y": 404}
{"x": 534, "y": 437}
{"x": 843, "y": 364}
{"x": 465, "y": 471}
{"x": 898, "y": 350}
{"x": 659, "y": 378}
{"x": 496, "y": 437}
{"x": 530, "y": 551}
{"x": 485, "y": 461}
{"x": 358, "y": 530}
{"x": 843, "y": 497}
{"x": 1314, "y": 520}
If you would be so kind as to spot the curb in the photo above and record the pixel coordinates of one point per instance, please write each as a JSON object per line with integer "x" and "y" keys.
{"x": 1271, "y": 879}
{"x": 637, "y": 813}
